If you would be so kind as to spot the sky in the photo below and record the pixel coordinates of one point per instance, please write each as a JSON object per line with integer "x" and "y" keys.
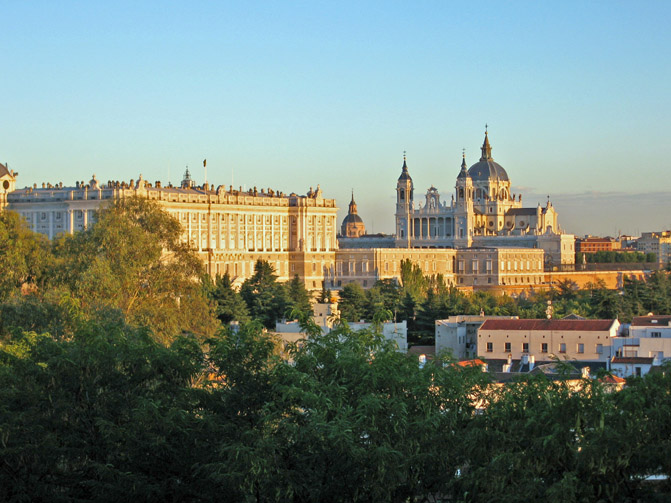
{"x": 289, "y": 95}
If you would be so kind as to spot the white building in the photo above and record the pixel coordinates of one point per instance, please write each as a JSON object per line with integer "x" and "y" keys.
{"x": 459, "y": 334}
{"x": 648, "y": 345}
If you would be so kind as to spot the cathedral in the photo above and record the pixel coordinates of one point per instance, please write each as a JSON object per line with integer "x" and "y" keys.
{"x": 482, "y": 212}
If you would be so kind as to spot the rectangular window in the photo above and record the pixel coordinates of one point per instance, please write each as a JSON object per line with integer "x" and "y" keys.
{"x": 508, "y": 347}
{"x": 581, "y": 348}
{"x": 544, "y": 347}
{"x": 599, "y": 349}
{"x": 562, "y": 347}
{"x": 525, "y": 347}
{"x": 475, "y": 266}
{"x": 490, "y": 347}
{"x": 655, "y": 334}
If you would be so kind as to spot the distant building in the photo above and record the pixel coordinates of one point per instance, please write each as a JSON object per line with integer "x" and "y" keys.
{"x": 591, "y": 244}
{"x": 352, "y": 225}
{"x": 658, "y": 243}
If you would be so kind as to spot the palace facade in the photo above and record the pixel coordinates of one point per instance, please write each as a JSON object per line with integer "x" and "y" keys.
{"x": 229, "y": 229}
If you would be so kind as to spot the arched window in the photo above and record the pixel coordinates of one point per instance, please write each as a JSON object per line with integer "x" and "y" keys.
{"x": 402, "y": 195}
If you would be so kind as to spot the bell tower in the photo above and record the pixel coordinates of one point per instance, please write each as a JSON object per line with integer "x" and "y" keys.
{"x": 404, "y": 206}
{"x": 463, "y": 209}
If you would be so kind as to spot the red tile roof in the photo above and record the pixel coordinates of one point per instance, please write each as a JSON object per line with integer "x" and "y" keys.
{"x": 471, "y": 363}
{"x": 565, "y": 325}
{"x": 651, "y": 321}
{"x": 612, "y": 379}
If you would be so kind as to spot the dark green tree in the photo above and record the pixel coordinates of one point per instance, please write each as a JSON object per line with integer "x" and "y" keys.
{"x": 298, "y": 296}
{"x": 229, "y": 305}
{"x": 266, "y": 299}
{"x": 352, "y": 303}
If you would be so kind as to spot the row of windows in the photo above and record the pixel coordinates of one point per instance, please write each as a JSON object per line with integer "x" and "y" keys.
{"x": 544, "y": 347}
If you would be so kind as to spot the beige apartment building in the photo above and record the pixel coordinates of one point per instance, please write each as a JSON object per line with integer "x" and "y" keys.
{"x": 658, "y": 243}
{"x": 582, "y": 341}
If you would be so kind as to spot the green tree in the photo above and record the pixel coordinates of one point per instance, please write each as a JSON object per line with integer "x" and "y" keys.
{"x": 24, "y": 255}
{"x": 266, "y": 299}
{"x": 352, "y": 303}
{"x": 229, "y": 305}
{"x": 298, "y": 296}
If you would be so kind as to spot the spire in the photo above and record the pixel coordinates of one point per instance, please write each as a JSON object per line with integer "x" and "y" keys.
{"x": 405, "y": 175}
{"x": 486, "y": 148}
{"x": 352, "y": 205}
{"x": 464, "y": 171}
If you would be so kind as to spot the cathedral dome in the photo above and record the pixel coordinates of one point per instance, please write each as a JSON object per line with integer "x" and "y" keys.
{"x": 486, "y": 168}
{"x": 483, "y": 170}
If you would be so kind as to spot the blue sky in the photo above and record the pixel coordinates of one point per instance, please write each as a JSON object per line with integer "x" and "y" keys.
{"x": 289, "y": 95}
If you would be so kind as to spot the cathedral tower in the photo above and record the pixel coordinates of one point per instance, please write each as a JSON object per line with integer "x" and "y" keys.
{"x": 463, "y": 210}
{"x": 404, "y": 205}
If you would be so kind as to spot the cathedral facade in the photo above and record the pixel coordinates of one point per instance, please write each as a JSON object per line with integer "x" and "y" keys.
{"x": 482, "y": 212}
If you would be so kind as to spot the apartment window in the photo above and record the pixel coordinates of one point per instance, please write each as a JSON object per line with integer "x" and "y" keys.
{"x": 544, "y": 347}
{"x": 475, "y": 267}
{"x": 508, "y": 347}
{"x": 655, "y": 334}
{"x": 562, "y": 347}
{"x": 461, "y": 266}
{"x": 581, "y": 348}
{"x": 599, "y": 349}
{"x": 525, "y": 347}
{"x": 638, "y": 371}
{"x": 490, "y": 347}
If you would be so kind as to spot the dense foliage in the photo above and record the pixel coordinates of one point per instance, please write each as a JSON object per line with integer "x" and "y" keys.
{"x": 110, "y": 415}
{"x": 614, "y": 257}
